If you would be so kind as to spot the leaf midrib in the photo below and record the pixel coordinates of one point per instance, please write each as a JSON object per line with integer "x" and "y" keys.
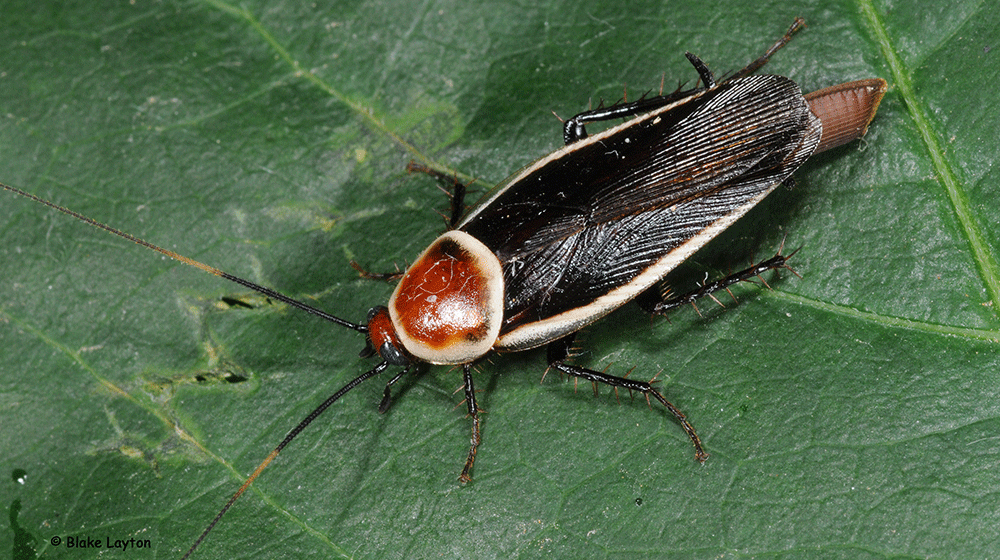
{"x": 986, "y": 263}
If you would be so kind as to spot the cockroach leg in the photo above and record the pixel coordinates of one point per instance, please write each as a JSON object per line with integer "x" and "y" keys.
{"x": 456, "y": 194}
{"x": 574, "y": 129}
{"x": 387, "y": 393}
{"x": 383, "y": 276}
{"x": 707, "y": 289}
{"x": 557, "y": 354}
{"x": 470, "y": 401}
{"x": 799, "y": 23}
{"x": 703, "y": 72}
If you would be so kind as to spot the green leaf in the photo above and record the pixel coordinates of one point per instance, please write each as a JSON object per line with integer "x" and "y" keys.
{"x": 849, "y": 414}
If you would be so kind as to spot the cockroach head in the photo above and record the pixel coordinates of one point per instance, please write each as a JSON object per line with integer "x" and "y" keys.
{"x": 383, "y": 339}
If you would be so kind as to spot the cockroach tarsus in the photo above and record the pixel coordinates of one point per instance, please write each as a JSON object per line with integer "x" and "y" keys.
{"x": 581, "y": 231}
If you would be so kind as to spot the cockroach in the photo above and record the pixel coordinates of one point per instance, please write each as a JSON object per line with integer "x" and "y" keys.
{"x": 579, "y": 232}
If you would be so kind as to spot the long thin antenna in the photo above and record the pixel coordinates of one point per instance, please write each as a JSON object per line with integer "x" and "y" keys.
{"x": 209, "y": 269}
{"x": 288, "y": 438}
{"x": 258, "y": 288}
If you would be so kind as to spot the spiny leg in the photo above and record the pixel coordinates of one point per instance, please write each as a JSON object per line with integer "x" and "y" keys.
{"x": 799, "y": 23}
{"x": 457, "y": 194}
{"x": 574, "y": 129}
{"x": 470, "y": 401}
{"x": 381, "y": 276}
{"x": 773, "y": 263}
{"x": 387, "y": 393}
{"x": 558, "y": 352}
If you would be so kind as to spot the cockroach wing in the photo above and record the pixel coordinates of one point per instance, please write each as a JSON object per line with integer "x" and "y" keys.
{"x": 589, "y": 227}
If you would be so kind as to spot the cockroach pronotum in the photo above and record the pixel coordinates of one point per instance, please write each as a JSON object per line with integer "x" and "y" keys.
{"x": 579, "y": 232}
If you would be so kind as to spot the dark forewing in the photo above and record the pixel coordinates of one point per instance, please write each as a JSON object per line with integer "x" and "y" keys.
{"x": 581, "y": 224}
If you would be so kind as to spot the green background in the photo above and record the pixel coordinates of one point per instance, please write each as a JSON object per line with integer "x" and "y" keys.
{"x": 850, "y": 414}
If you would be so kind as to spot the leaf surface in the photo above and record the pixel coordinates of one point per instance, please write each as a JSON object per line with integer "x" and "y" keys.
{"x": 849, "y": 414}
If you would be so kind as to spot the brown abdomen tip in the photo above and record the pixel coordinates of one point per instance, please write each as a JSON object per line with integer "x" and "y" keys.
{"x": 845, "y": 110}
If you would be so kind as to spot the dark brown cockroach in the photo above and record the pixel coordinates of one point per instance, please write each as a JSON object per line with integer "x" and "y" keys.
{"x": 581, "y": 231}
